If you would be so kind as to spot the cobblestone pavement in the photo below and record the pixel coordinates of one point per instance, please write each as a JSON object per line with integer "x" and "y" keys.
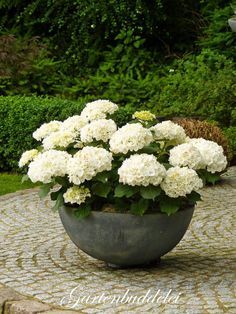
{"x": 38, "y": 259}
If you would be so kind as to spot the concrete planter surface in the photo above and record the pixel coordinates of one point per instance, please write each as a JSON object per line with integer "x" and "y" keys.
{"x": 124, "y": 239}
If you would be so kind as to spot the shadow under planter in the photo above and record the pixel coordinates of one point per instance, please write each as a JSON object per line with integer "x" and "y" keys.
{"x": 125, "y": 240}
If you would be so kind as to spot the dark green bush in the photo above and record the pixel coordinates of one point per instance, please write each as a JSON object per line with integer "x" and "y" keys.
{"x": 21, "y": 116}
{"x": 203, "y": 86}
{"x": 80, "y": 31}
{"x": 230, "y": 133}
{"x": 217, "y": 34}
{"x": 26, "y": 67}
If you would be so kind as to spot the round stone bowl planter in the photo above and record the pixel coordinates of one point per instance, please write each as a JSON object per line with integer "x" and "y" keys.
{"x": 124, "y": 240}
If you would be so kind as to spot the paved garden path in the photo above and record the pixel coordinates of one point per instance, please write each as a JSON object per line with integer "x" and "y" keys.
{"x": 38, "y": 259}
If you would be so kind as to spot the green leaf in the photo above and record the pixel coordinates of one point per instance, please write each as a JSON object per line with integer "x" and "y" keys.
{"x": 101, "y": 189}
{"x": 25, "y": 178}
{"x": 44, "y": 190}
{"x": 212, "y": 177}
{"x": 122, "y": 190}
{"x": 54, "y": 195}
{"x": 102, "y": 177}
{"x": 140, "y": 207}
{"x": 150, "y": 192}
{"x": 169, "y": 205}
{"x": 151, "y": 149}
{"x": 61, "y": 180}
{"x": 194, "y": 197}
{"x": 121, "y": 204}
{"x": 208, "y": 177}
{"x": 83, "y": 211}
{"x": 59, "y": 202}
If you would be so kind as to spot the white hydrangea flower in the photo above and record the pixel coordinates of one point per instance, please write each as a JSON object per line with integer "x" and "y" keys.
{"x": 213, "y": 157}
{"x": 100, "y": 130}
{"x": 186, "y": 155}
{"x": 46, "y": 129}
{"x": 130, "y": 137}
{"x": 59, "y": 139}
{"x": 181, "y": 181}
{"x": 87, "y": 162}
{"x": 47, "y": 165}
{"x": 76, "y": 194}
{"x": 73, "y": 124}
{"x": 141, "y": 169}
{"x": 169, "y": 131}
{"x": 28, "y": 156}
{"x": 98, "y": 109}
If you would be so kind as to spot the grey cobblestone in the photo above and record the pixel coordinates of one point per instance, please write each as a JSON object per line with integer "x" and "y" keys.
{"x": 38, "y": 259}
{"x": 25, "y": 307}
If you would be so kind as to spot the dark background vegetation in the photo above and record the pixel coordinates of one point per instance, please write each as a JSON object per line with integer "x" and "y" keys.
{"x": 175, "y": 58}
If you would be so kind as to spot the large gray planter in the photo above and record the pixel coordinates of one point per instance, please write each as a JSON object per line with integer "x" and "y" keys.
{"x": 124, "y": 239}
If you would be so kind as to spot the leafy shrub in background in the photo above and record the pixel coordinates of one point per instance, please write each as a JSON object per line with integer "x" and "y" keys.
{"x": 217, "y": 34}
{"x": 230, "y": 134}
{"x": 26, "y": 67}
{"x": 202, "y": 85}
{"x": 80, "y": 31}
{"x": 20, "y": 116}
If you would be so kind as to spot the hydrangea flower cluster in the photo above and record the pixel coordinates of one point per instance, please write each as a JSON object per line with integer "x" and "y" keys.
{"x": 144, "y": 115}
{"x": 186, "y": 155}
{"x": 199, "y": 154}
{"x": 169, "y": 131}
{"x": 28, "y": 156}
{"x": 46, "y": 129}
{"x": 59, "y": 139}
{"x": 48, "y": 165}
{"x": 181, "y": 181}
{"x": 76, "y": 195}
{"x": 95, "y": 162}
{"x": 73, "y": 124}
{"x": 99, "y": 130}
{"x": 98, "y": 109}
{"x": 141, "y": 169}
{"x": 87, "y": 162}
{"x": 213, "y": 157}
{"x": 131, "y": 137}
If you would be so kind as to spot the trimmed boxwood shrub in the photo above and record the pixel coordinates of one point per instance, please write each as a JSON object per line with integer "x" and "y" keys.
{"x": 21, "y": 116}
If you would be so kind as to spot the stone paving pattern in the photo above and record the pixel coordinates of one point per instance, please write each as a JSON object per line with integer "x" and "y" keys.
{"x": 37, "y": 259}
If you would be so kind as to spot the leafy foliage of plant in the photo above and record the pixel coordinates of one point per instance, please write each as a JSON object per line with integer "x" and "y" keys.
{"x": 80, "y": 31}
{"x": 26, "y": 67}
{"x": 217, "y": 34}
{"x": 203, "y": 85}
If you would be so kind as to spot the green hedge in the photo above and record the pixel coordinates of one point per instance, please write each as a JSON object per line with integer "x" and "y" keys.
{"x": 21, "y": 116}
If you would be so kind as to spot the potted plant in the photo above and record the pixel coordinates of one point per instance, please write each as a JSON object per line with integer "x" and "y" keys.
{"x": 125, "y": 195}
